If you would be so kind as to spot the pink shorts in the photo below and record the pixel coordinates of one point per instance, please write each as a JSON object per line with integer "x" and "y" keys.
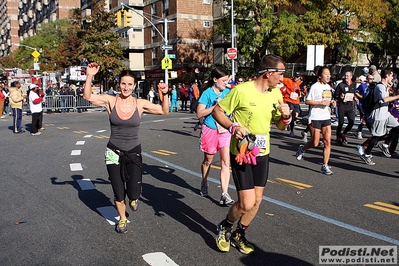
{"x": 211, "y": 141}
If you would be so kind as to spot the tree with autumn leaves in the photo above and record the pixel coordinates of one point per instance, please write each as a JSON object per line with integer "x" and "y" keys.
{"x": 65, "y": 42}
{"x": 344, "y": 27}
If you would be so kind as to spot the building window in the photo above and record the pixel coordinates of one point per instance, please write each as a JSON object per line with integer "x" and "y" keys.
{"x": 208, "y": 2}
{"x": 154, "y": 56}
{"x": 154, "y": 8}
{"x": 207, "y": 23}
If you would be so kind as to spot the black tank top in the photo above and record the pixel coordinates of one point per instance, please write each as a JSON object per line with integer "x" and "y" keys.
{"x": 125, "y": 133}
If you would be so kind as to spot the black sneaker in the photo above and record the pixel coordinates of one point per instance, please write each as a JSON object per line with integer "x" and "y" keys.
{"x": 239, "y": 241}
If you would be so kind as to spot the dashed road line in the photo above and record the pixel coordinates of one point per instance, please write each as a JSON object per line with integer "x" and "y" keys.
{"x": 80, "y": 132}
{"x": 87, "y": 136}
{"x": 164, "y": 152}
{"x": 76, "y": 152}
{"x": 378, "y": 205}
{"x": 158, "y": 259}
{"x": 102, "y": 137}
{"x": 86, "y": 184}
{"x": 290, "y": 183}
{"x": 80, "y": 143}
{"x": 62, "y": 128}
{"x": 75, "y": 167}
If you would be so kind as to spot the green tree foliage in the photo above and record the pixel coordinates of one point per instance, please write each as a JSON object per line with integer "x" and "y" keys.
{"x": 100, "y": 44}
{"x": 342, "y": 26}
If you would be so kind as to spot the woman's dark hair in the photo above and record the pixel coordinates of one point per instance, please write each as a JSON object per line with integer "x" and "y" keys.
{"x": 321, "y": 69}
{"x": 217, "y": 73}
{"x": 127, "y": 73}
{"x": 14, "y": 83}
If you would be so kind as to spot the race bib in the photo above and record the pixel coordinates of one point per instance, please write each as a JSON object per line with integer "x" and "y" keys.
{"x": 220, "y": 128}
{"x": 111, "y": 157}
{"x": 261, "y": 141}
{"x": 349, "y": 97}
{"x": 294, "y": 95}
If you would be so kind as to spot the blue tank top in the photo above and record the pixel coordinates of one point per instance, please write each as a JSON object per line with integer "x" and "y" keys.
{"x": 124, "y": 133}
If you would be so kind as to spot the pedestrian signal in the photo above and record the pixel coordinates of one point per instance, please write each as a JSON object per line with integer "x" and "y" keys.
{"x": 127, "y": 18}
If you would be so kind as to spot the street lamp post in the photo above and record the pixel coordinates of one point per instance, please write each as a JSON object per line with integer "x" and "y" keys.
{"x": 164, "y": 37}
{"x": 35, "y": 55}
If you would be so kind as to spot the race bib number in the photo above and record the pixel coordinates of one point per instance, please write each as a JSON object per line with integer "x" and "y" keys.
{"x": 294, "y": 95}
{"x": 261, "y": 141}
{"x": 220, "y": 128}
{"x": 348, "y": 97}
{"x": 111, "y": 157}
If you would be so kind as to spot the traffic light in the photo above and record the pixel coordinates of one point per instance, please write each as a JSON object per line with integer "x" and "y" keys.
{"x": 118, "y": 19}
{"x": 127, "y": 18}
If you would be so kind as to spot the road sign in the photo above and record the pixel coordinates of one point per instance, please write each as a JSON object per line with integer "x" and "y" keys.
{"x": 166, "y": 63}
{"x": 172, "y": 56}
{"x": 167, "y": 47}
{"x": 232, "y": 53}
{"x": 35, "y": 54}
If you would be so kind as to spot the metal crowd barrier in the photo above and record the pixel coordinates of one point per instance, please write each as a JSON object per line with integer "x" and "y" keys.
{"x": 63, "y": 103}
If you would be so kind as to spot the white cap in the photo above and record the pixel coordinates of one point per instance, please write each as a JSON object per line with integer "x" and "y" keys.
{"x": 32, "y": 86}
{"x": 161, "y": 81}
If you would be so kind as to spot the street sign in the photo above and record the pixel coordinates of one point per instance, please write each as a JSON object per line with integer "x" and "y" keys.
{"x": 232, "y": 53}
{"x": 35, "y": 54}
{"x": 167, "y": 47}
{"x": 166, "y": 63}
{"x": 172, "y": 56}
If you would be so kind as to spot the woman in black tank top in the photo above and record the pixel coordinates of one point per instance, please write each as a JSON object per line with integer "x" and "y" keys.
{"x": 123, "y": 154}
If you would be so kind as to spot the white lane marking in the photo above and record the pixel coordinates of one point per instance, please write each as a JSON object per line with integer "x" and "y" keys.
{"x": 100, "y": 131}
{"x": 85, "y": 184}
{"x": 288, "y": 206}
{"x": 158, "y": 259}
{"x": 76, "y": 167}
{"x": 154, "y": 121}
{"x": 76, "y": 152}
{"x": 185, "y": 118}
{"x": 80, "y": 143}
{"x": 88, "y": 136}
{"x": 110, "y": 214}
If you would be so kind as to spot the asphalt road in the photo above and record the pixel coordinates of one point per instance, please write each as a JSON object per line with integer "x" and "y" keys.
{"x": 57, "y": 202}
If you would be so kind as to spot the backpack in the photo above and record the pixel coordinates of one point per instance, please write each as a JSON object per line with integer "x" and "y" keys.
{"x": 368, "y": 102}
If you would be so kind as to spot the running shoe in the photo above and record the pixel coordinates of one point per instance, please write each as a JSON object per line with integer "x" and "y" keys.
{"x": 226, "y": 200}
{"x": 340, "y": 141}
{"x": 344, "y": 141}
{"x": 359, "y": 135}
{"x": 326, "y": 169}
{"x": 204, "y": 189}
{"x": 223, "y": 238}
{"x": 384, "y": 149}
{"x": 121, "y": 227}
{"x": 292, "y": 134}
{"x": 304, "y": 136}
{"x": 134, "y": 204}
{"x": 299, "y": 153}
{"x": 367, "y": 159}
{"x": 239, "y": 241}
{"x": 360, "y": 149}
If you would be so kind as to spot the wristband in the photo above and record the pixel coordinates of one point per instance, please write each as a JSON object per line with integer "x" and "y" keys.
{"x": 233, "y": 128}
{"x": 286, "y": 121}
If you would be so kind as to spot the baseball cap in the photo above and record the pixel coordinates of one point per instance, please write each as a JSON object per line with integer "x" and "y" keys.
{"x": 297, "y": 74}
{"x": 365, "y": 70}
{"x": 362, "y": 78}
{"x": 161, "y": 81}
{"x": 32, "y": 86}
{"x": 373, "y": 67}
